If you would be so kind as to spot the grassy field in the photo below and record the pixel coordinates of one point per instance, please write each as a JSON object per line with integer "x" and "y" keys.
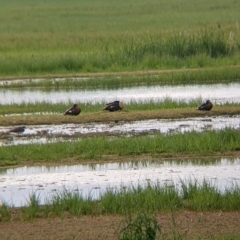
{"x": 45, "y": 38}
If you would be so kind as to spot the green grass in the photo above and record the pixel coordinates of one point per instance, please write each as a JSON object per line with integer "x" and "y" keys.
{"x": 59, "y": 108}
{"x": 42, "y": 38}
{"x": 152, "y": 198}
{"x": 223, "y": 74}
{"x": 30, "y": 212}
{"x": 45, "y": 108}
{"x": 200, "y": 144}
{"x": 5, "y": 213}
{"x": 142, "y": 227}
{"x": 28, "y": 18}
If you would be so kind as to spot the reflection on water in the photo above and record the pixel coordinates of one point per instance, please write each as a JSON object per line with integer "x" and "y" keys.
{"x": 68, "y": 132}
{"x": 17, "y": 184}
{"x": 218, "y": 93}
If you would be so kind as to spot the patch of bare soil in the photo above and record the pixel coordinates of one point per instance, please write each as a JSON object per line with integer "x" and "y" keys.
{"x": 189, "y": 225}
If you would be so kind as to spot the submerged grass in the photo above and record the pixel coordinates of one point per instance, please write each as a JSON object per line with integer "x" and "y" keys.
{"x": 223, "y": 74}
{"x": 95, "y": 148}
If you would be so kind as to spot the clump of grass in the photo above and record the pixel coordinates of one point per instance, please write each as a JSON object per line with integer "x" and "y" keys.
{"x": 206, "y": 197}
{"x": 129, "y": 200}
{"x": 31, "y": 211}
{"x": 148, "y": 53}
{"x": 72, "y": 202}
{"x": 141, "y": 227}
{"x": 5, "y": 212}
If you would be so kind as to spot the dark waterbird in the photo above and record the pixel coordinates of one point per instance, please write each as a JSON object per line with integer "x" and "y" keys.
{"x": 74, "y": 110}
{"x": 114, "y": 106}
{"x": 207, "y": 106}
{"x": 18, "y": 129}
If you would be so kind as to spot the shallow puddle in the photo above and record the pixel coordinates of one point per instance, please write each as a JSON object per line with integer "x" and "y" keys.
{"x": 217, "y": 93}
{"x": 64, "y": 132}
{"x": 17, "y": 184}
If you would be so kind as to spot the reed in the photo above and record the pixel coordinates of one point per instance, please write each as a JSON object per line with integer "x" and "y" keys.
{"x": 43, "y": 38}
{"x": 194, "y": 143}
{"x": 32, "y": 210}
{"x": 175, "y": 52}
{"x": 72, "y": 202}
{"x": 129, "y": 200}
{"x": 212, "y": 200}
{"x": 5, "y": 212}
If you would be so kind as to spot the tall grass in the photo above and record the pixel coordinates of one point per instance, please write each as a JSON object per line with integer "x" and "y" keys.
{"x": 82, "y": 37}
{"x": 176, "y": 51}
{"x": 71, "y": 202}
{"x": 205, "y": 143}
{"x": 32, "y": 210}
{"x": 212, "y": 200}
{"x": 5, "y": 212}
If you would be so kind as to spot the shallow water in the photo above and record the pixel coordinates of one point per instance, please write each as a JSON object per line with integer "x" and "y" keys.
{"x": 64, "y": 132}
{"x": 17, "y": 184}
{"x": 217, "y": 93}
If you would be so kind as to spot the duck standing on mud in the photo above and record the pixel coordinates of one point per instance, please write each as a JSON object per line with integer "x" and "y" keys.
{"x": 207, "y": 106}
{"x": 73, "y": 111}
{"x": 114, "y": 106}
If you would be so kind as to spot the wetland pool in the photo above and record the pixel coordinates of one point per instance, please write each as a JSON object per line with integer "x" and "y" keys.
{"x": 43, "y": 134}
{"x": 18, "y": 184}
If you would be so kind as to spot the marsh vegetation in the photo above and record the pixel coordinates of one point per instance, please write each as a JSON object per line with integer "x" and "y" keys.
{"x": 40, "y": 40}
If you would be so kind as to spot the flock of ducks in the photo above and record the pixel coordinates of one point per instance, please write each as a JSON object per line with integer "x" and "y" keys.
{"x": 117, "y": 105}
{"x": 111, "y": 107}
{"x": 75, "y": 110}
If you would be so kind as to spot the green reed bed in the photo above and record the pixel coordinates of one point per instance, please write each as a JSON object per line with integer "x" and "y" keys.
{"x": 43, "y": 38}
{"x": 204, "y": 143}
{"x": 153, "y": 53}
{"x": 151, "y": 198}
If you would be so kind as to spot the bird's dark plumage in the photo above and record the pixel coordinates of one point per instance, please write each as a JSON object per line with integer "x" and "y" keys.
{"x": 207, "y": 106}
{"x": 114, "y": 106}
{"x": 74, "y": 110}
{"x": 18, "y": 129}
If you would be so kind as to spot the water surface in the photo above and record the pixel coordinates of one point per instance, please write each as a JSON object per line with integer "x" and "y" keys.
{"x": 17, "y": 184}
{"x": 217, "y": 93}
{"x": 64, "y": 132}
